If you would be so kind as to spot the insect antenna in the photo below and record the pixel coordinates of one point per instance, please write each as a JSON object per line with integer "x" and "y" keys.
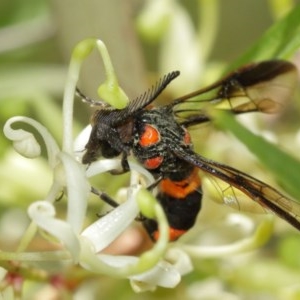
{"x": 152, "y": 93}
{"x": 90, "y": 101}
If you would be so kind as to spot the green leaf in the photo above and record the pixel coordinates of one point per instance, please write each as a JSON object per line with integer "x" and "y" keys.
{"x": 284, "y": 167}
{"x": 281, "y": 40}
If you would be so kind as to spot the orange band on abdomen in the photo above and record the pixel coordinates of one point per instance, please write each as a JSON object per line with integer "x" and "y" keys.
{"x": 180, "y": 189}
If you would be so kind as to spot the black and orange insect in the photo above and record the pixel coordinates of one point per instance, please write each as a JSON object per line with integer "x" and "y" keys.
{"x": 159, "y": 140}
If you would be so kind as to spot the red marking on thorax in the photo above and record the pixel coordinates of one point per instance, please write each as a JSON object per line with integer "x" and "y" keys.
{"x": 149, "y": 137}
{"x": 153, "y": 163}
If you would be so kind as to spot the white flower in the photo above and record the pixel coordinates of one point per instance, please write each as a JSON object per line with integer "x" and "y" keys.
{"x": 81, "y": 245}
{"x": 162, "y": 265}
{"x": 84, "y": 244}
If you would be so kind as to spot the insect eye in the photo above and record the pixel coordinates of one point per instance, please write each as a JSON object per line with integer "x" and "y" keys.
{"x": 150, "y": 136}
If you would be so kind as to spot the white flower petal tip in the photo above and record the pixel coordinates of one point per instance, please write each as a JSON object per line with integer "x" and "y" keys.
{"x": 23, "y": 141}
{"x": 180, "y": 260}
{"x": 163, "y": 274}
{"x": 41, "y": 209}
{"x": 28, "y": 147}
{"x": 80, "y": 142}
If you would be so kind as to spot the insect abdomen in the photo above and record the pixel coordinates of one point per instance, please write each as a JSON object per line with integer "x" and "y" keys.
{"x": 181, "y": 201}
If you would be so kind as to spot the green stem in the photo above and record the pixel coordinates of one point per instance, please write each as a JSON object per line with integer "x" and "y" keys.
{"x": 26, "y": 238}
{"x": 109, "y": 90}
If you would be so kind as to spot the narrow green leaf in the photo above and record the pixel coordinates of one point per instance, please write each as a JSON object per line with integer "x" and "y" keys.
{"x": 279, "y": 41}
{"x": 284, "y": 167}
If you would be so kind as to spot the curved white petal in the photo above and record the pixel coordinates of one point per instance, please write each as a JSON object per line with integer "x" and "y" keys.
{"x": 145, "y": 271}
{"x": 180, "y": 260}
{"x": 78, "y": 190}
{"x": 163, "y": 274}
{"x": 105, "y": 165}
{"x": 80, "y": 141}
{"x": 105, "y": 230}
{"x": 43, "y": 214}
{"x": 26, "y": 144}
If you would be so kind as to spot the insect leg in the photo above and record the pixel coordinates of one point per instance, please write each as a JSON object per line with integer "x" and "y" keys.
{"x": 106, "y": 198}
{"x": 155, "y": 183}
{"x": 110, "y": 201}
{"x": 124, "y": 165}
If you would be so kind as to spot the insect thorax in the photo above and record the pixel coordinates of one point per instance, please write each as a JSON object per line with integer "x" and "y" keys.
{"x": 156, "y": 135}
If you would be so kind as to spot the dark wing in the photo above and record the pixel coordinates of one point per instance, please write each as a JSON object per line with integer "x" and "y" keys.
{"x": 265, "y": 195}
{"x": 263, "y": 87}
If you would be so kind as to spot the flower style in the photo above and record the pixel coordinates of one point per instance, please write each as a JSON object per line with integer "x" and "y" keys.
{"x": 164, "y": 264}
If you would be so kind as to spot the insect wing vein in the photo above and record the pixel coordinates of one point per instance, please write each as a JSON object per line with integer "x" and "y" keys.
{"x": 258, "y": 191}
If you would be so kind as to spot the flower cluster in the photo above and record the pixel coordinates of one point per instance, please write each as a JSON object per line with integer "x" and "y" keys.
{"x": 78, "y": 244}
